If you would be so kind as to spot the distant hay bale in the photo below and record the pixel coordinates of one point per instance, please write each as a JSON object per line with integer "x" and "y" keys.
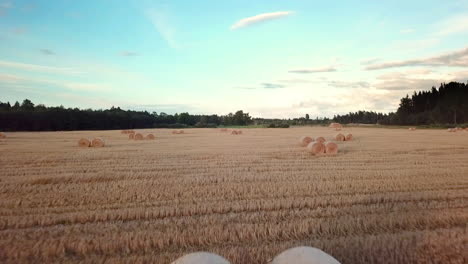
{"x": 138, "y": 136}
{"x": 234, "y": 132}
{"x": 174, "y": 132}
{"x": 181, "y": 132}
{"x": 84, "y": 143}
{"x": 349, "y": 137}
{"x": 201, "y": 258}
{"x": 337, "y": 129}
{"x": 150, "y": 137}
{"x": 320, "y": 139}
{"x": 305, "y": 140}
{"x": 131, "y": 136}
{"x": 412, "y": 129}
{"x": 331, "y": 148}
{"x": 239, "y": 132}
{"x": 340, "y": 137}
{"x": 304, "y": 255}
{"x": 97, "y": 143}
{"x": 316, "y": 148}
{"x": 2, "y": 135}
{"x": 451, "y": 130}
{"x": 224, "y": 130}
{"x": 177, "y": 132}
{"x": 335, "y": 125}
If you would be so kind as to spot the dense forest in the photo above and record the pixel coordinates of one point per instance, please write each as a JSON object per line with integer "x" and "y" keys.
{"x": 446, "y": 105}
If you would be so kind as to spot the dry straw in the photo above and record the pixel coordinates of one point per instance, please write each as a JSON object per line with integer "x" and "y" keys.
{"x": 84, "y": 143}
{"x": 320, "y": 139}
{"x": 331, "y": 148}
{"x": 340, "y": 137}
{"x": 98, "y": 143}
{"x": 316, "y": 148}
{"x": 138, "y": 136}
{"x": 305, "y": 140}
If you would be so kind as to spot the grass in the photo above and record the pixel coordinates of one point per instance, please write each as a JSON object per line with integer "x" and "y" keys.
{"x": 389, "y": 196}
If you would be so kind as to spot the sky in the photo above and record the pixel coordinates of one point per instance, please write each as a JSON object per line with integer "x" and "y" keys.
{"x": 269, "y": 58}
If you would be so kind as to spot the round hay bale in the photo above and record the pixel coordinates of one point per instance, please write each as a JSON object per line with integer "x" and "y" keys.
{"x": 451, "y": 130}
{"x": 234, "y": 132}
{"x": 239, "y": 132}
{"x": 305, "y": 140}
{"x": 181, "y": 132}
{"x": 316, "y": 148}
{"x": 224, "y": 130}
{"x": 331, "y": 148}
{"x": 97, "y": 143}
{"x": 131, "y": 136}
{"x": 337, "y": 129}
{"x": 304, "y": 255}
{"x": 2, "y": 135}
{"x": 340, "y": 137}
{"x": 84, "y": 143}
{"x": 138, "y": 136}
{"x": 150, "y": 137}
{"x": 320, "y": 139}
{"x": 349, "y": 137}
{"x": 201, "y": 258}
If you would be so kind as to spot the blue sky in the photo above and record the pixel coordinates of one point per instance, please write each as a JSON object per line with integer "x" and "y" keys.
{"x": 269, "y": 58}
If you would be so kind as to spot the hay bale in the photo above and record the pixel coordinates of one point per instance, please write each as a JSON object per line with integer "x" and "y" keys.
{"x": 340, "y": 137}
{"x": 138, "y": 136}
{"x": 84, "y": 143}
{"x": 224, "y": 130}
{"x": 150, "y": 137}
{"x": 331, "y": 148}
{"x": 98, "y": 143}
{"x": 320, "y": 139}
{"x": 304, "y": 255}
{"x": 131, "y": 136}
{"x": 201, "y": 258}
{"x": 2, "y": 135}
{"x": 335, "y": 125}
{"x": 305, "y": 140}
{"x": 316, "y": 148}
{"x": 451, "y": 130}
{"x": 239, "y": 132}
{"x": 234, "y": 132}
{"x": 349, "y": 137}
{"x": 337, "y": 129}
{"x": 181, "y": 132}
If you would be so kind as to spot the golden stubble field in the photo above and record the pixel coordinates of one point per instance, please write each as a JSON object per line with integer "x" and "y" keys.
{"x": 390, "y": 196}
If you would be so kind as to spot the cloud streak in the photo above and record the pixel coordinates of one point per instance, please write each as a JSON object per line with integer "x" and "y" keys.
{"x": 272, "y": 86}
{"x": 314, "y": 70}
{"x": 126, "y": 53}
{"x": 37, "y": 68}
{"x": 162, "y": 22}
{"x": 249, "y": 21}
{"x": 47, "y": 52}
{"x": 457, "y": 58}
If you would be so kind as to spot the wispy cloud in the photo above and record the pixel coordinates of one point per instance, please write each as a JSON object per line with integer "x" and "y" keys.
{"x": 344, "y": 84}
{"x": 457, "y": 58}
{"x": 249, "y": 21}
{"x": 47, "y": 52}
{"x": 163, "y": 24}
{"x": 4, "y": 6}
{"x": 26, "y": 81}
{"x": 407, "y": 31}
{"x": 453, "y": 25}
{"x": 37, "y": 68}
{"x": 369, "y": 61}
{"x": 314, "y": 70}
{"x": 128, "y": 53}
{"x": 272, "y": 86}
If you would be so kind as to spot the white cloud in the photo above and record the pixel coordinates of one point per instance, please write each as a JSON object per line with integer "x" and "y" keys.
{"x": 37, "y": 68}
{"x": 456, "y": 58}
{"x": 453, "y": 25}
{"x": 163, "y": 24}
{"x": 27, "y": 81}
{"x": 249, "y": 21}
{"x": 314, "y": 70}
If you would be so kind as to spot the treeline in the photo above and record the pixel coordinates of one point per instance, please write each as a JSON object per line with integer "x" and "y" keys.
{"x": 29, "y": 117}
{"x": 446, "y": 105}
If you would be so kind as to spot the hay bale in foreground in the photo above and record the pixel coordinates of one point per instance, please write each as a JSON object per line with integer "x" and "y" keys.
{"x": 138, "y": 136}
{"x": 349, "y": 137}
{"x": 304, "y": 255}
{"x": 2, "y": 135}
{"x": 340, "y": 137}
{"x": 331, "y": 148}
{"x": 201, "y": 258}
{"x": 150, "y": 137}
{"x": 316, "y": 148}
{"x": 84, "y": 143}
{"x": 305, "y": 140}
{"x": 320, "y": 139}
{"x": 98, "y": 143}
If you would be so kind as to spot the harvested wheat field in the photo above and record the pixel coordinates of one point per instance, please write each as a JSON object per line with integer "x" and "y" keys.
{"x": 388, "y": 196}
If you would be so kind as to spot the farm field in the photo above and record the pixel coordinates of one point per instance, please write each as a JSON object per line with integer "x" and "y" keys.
{"x": 389, "y": 196}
